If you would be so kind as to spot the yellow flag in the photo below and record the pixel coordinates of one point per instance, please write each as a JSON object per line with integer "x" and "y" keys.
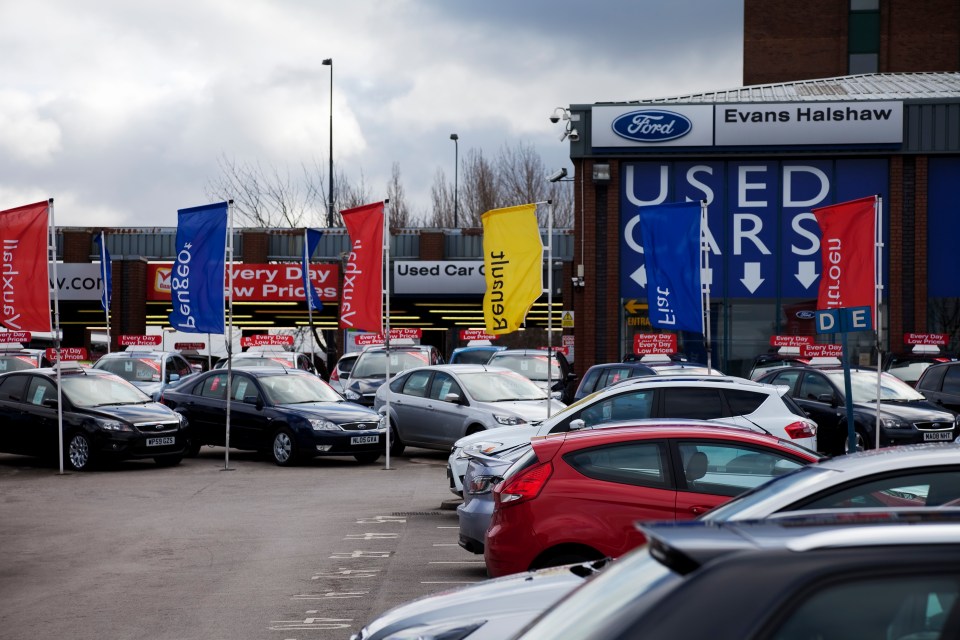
{"x": 513, "y": 266}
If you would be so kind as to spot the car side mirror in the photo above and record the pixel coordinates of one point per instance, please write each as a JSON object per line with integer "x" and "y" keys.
{"x": 50, "y": 403}
{"x": 257, "y": 401}
{"x": 453, "y": 398}
{"x": 829, "y": 398}
{"x": 577, "y": 425}
{"x": 174, "y": 377}
{"x": 571, "y": 376}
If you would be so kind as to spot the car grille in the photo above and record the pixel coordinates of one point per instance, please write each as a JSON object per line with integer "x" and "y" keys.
{"x": 157, "y": 428}
{"x": 358, "y": 426}
{"x": 933, "y": 426}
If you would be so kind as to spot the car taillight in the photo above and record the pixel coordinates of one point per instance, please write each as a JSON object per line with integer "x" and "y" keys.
{"x": 523, "y": 487}
{"x": 801, "y": 430}
{"x": 482, "y": 484}
{"x": 336, "y": 374}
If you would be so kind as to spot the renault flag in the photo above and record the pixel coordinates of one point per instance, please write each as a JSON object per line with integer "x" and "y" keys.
{"x": 848, "y": 254}
{"x": 25, "y": 296}
{"x": 513, "y": 266}
{"x": 106, "y": 271}
{"x": 311, "y": 241}
{"x": 671, "y": 251}
{"x": 198, "y": 272}
{"x": 361, "y": 305}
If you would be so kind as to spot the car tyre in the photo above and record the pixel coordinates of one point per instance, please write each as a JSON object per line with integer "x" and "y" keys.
{"x": 193, "y": 449}
{"x": 396, "y": 444}
{"x": 367, "y": 458}
{"x": 283, "y": 448}
{"x": 168, "y": 461}
{"x": 79, "y": 453}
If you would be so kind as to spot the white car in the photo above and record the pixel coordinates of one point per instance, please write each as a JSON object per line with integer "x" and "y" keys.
{"x": 726, "y": 399}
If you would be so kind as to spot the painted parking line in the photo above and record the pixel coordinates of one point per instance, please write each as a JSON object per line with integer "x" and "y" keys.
{"x": 451, "y": 582}
{"x": 456, "y": 562}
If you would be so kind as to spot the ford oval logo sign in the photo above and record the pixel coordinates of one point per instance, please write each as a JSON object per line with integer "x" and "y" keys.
{"x": 652, "y": 125}
{"x": 806, "y": 315}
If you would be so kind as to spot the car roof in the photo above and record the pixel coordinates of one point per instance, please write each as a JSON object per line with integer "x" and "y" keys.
{"x": 665, "y": 380}
{"x": 889, "y": 458}
{"x": 459, "y": 368}
{"x": 672, "y": 429}
{"x": 138, "y": 354}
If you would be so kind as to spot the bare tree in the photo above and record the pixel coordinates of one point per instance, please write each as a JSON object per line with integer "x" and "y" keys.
{"x": 442, "y": 202}
{"x": 523, "y": 179}
{"x": 264, "y": 197}
{"x": 397, "y": 209}
{"x": 480, "y": 188}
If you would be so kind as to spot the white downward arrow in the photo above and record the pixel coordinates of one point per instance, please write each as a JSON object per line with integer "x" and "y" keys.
{"x": 807, "y": 273}
{"x": 751, "y": 276}
{"x": 640, "y": 277}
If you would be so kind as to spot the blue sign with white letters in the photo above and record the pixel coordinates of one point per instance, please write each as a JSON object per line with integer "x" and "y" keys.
{"x": 764, "y": 239}
{"x": 844, "y": 320}
{"x": 652, "y": 125}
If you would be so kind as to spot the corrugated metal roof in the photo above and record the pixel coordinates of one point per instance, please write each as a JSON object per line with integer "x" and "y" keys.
{"x": 869, "y": 86}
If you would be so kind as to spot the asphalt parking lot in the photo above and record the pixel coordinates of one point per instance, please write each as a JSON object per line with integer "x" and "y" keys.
{"x": 197, "y": 551}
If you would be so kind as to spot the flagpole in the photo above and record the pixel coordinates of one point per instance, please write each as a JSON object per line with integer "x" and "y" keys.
{"x": 106, "y": 292}
{"x": 878, "y": 299}
{"x": 229, "y": 262}
{"x": 306, "y": 293}
{"x": 550, "y": 308}
{"x": 705, "y": 287}
{"x": 386, "y": 335}
{"x": 52, "y": 259}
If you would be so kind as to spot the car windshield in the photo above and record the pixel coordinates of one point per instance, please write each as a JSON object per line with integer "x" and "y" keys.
{"x": 474, "y": 356}
{"x": 132, "y": 369}
{"x": 373, "y": 364}
{"x": 17, "y": 363}
{"x": 294, "y": 389}
{"x": 797, "y": 482}
{"x": 250, "y": 363}
{"x": 863, "y": 385}
{"x": 623, "y": 585}
{"x": 500, "y": 386}
{"x": 100, "y": 390}
{"x": 533, "y": 366}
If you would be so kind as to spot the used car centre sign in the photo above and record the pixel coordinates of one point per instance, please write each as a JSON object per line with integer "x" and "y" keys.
{"x": 447, "y": 276}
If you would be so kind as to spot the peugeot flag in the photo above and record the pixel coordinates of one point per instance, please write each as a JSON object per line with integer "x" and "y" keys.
{"x": 106, "y": 271}
{"x": 671, "y": 249}
{"x": 198, "y": 273}
{"x": 309, "y": 291}
{"x": 26, "y": 297}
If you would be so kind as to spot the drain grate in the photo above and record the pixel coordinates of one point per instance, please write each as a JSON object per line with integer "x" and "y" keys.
{"x": 407, "y": 514}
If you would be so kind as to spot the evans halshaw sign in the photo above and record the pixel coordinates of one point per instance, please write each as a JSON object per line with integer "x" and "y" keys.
{"x": 748, "y": 124}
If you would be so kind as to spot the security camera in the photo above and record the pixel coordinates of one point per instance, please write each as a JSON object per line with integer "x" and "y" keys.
{"x": 558, "y": 114}
{"x": 574, "y": 135}
{"x": 554, "y": 118}
{"x": 556, "y": 176}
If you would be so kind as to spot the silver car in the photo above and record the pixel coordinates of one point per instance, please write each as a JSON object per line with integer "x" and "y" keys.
{"x": 433, "y": 407}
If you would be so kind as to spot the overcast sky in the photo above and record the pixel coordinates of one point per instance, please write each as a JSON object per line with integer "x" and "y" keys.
{"x": 122, "y": 110}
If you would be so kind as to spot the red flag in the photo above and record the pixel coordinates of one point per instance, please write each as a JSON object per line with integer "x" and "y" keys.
{"x": 361, "y": 306}
{"x": 25, "y": 280}
{"x": 848, "y": 253}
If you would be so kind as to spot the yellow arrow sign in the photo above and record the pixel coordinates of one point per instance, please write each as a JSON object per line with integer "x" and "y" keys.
{"x": 634, "y": 307}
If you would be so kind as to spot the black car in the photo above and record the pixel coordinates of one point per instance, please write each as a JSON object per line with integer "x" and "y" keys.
{"x": 532, "y": 363}
{"x": 818, "y": 576}
{"x": 600, "y": 376}
{"x": 909, "y": 367}
{"x": 905, "y": 415}
{"x": 104, "y": 417}
{"x": 370, "y": 369}
{"x": 290, "y": 414}
{"x": 940, "y": 384}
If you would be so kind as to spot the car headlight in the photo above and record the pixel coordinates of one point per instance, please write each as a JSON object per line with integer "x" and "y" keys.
{"x": 183, "y": 419}
{"x": 350, "y": 394}
{"x": 382, "y": 424}
{"x": 956, "y": 420}
{"x": 319, "y": 424}
{"x": 478, "y": 447}
{"x": 113, "y": 425}
{"x": 894, "y": 423}
{"x": 457, "y": 630}
{"x": 509, "y": 420}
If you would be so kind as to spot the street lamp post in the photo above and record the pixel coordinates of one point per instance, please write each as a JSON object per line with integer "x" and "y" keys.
{"x": 456, "y": 171}
{"x": 329, "y": 62}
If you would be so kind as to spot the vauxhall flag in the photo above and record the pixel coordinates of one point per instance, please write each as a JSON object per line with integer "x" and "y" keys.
{"x": 671, "y": 250}
{"x": 106, "y": 271}
{"x": 199, "y": 269}
{"x": 309, "y": 291}
{"x": 362, "y": 299}
{"x": 513, "y": 266}
{"x": 848, "y": 252}
{"x": 25, "y": 268}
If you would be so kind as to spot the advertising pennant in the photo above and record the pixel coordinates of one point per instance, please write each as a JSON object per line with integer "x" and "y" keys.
{"x": 361, "y": 306}
{"x": 106, "y": 271}
{"x": 25, "y": 296}
{"x": 513, "y": 266}
{"x": 311, "y": 241}
{"x": 671, "y": 249}
{"x": 196, "y": 279}
{"x": 848, "y": 254}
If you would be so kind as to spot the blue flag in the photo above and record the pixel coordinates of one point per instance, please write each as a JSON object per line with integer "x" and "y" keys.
{"x": 197, "y": 276}
{"x": 106, "y": 271}
{"x": 309, "y": 291}
{"x": 671, "y": 250}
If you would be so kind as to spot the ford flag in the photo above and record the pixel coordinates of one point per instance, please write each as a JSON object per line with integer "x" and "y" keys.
{"x": 671, "y": 250}
{"x": 197, "y": 275}
{"x": 311, "y": 241}
{"x": 106, "y": 271}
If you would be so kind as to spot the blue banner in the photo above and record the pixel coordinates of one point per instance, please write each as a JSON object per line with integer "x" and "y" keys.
{"x": 671, "y": 250}
{"x": 309, "y": 291}
{"x": 197, "y": 276}
{"x": 106, "y": 271}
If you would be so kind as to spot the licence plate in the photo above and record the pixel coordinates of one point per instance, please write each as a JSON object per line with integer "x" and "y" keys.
{"x": 159, "y": 442}
{"x": 938, "y": 435}
{"x": 365, "y": 440}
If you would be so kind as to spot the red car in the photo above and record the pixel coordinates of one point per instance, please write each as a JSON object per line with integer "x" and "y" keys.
{"x": 575, "y": 496}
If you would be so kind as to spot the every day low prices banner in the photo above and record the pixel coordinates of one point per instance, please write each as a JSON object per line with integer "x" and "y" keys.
{"x": 258, "y": 282}
{"x": 763, "y": 236}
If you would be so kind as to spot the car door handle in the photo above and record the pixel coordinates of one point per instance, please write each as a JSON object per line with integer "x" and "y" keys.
{"x": 698, "y": 509}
